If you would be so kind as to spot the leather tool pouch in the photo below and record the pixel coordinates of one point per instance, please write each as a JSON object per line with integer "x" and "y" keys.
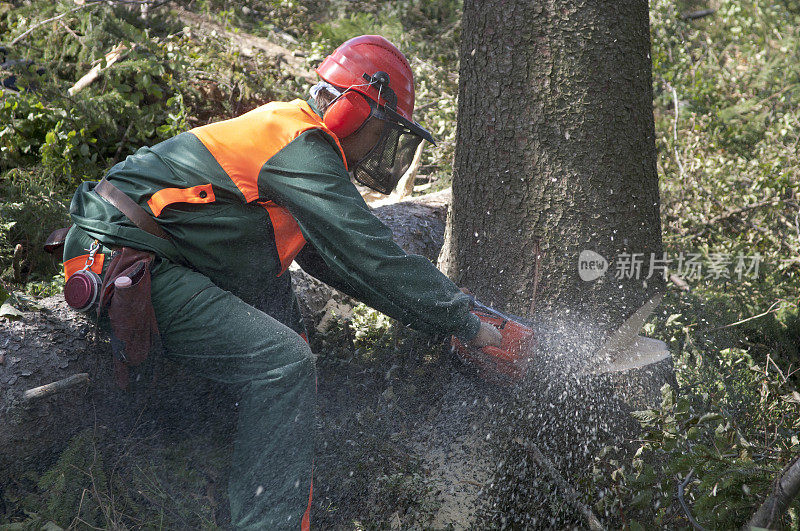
{"x": 134, "y": 331}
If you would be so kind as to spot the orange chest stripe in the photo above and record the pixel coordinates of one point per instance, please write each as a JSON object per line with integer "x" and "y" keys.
{"x": 203, "y": 193}
{"x": 76, "y": 264}
{"x": 243, "y": 145}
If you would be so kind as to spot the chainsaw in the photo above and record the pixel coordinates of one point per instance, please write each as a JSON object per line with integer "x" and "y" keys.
{"x": 508, "y": 363}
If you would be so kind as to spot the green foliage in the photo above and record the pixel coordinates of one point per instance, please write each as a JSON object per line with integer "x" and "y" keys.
{"x": 75, "y": 137}
{"x": 165, "y": 82}
{"x": 30, "y": 208}
{"x": 137, "y": 481}
{"x": 733, "y": 426}
{"x": 371, "y": 329}
{"x": 728, "y": 465}
{"x": 360, "y": 24}
{"x": 74, "y": 489}
{"x": 734, "y": 76}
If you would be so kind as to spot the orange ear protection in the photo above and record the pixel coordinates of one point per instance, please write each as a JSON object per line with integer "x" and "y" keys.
{"x": 347, "y": 113}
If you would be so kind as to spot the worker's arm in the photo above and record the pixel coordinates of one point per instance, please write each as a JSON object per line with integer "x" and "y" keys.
{"x": 313, "y": 264}
{"x": 308, "y": 178}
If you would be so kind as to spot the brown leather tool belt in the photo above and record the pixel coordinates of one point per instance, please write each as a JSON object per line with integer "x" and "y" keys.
{"x": 127, "y": 206}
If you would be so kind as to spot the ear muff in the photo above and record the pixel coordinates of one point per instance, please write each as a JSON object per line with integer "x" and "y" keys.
{"x": 347, "y": 113}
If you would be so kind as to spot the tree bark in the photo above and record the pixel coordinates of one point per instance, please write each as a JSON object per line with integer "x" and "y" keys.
{"x": 555, "y": 150}
{"x": 555, "y": 143}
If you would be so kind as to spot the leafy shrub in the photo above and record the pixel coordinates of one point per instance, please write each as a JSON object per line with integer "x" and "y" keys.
{"x": 166, "y": 82}
{"x": 725, "y": 467}
{"x": 30, "y": 208}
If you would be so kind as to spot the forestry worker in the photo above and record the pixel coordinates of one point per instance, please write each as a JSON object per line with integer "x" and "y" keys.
{"x": 189, "y": 242}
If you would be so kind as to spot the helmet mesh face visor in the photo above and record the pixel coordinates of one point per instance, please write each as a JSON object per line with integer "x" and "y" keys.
{"x": 391, "y": 157}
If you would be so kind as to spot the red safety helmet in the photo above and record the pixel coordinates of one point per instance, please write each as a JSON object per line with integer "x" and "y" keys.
{"x": 369, "y": 54}
{"x": 376, "y": 81}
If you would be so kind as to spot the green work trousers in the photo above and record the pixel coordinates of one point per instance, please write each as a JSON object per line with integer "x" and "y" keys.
{"x": 220, "y": 336}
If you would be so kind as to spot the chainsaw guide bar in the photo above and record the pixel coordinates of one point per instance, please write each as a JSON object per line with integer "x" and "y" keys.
{"x": 508, "y": 364}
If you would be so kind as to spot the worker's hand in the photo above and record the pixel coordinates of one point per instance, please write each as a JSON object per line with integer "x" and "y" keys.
{"x": 487, "y": 336}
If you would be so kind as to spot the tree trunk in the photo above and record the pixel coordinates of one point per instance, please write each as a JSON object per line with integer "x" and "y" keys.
{"x": 784, "y": 491}
{"x": 555, "y": 151}
{"x": 555, "y": 143}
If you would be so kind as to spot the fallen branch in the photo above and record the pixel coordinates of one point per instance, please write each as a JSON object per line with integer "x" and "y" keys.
{"x": 111, "y": 57}
{"x": 770, "y": 310}
{"x": 740, "y": 210}
{"x": 686, "y": 511}
{"x": 570, "y": 495}
{"x": 797, "y": 225}
{"x": 784, "y": 490}
{"x": 675, "y": 105}
{"x": 735, "y": 211}
{"x": 69, "y": 30}
{"x": 51, "y": 388}
{"x": 53, "y": 19}
{"x": 694, "y": 15}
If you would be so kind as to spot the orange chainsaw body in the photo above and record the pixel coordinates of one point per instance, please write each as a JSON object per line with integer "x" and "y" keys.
{"x": 507, "y": 363}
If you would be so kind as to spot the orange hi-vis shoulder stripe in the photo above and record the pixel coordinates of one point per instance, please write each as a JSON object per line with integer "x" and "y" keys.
{"x": 242, "y": 145}
{"x": 203, "y": 193}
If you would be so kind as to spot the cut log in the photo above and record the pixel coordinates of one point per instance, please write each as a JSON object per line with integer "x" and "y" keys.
{"x": 53, "y": 388}
{"x": 247, "y": 44}
{"x": 418, "y": 227}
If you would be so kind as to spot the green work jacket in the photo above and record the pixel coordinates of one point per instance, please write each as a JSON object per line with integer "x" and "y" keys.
{"x": 242, "y": 198}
